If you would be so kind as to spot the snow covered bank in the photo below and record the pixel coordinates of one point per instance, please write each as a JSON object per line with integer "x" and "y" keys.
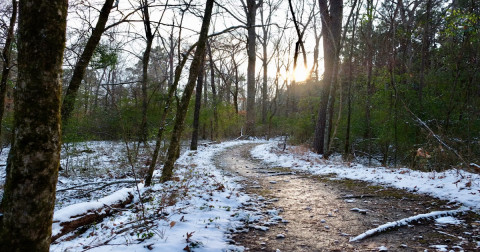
{"x": 195, "y": 210}
{"x": 443, "y": 185}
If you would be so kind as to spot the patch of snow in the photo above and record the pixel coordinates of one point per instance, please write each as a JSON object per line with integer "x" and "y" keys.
{"x": 440, "y": 247}
{"x": 448, "y": 220}
{"x": 259, "y": 227}
{"x": 382, "y": 248}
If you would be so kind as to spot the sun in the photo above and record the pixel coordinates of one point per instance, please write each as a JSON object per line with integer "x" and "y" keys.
{"x": 301, "y": 74}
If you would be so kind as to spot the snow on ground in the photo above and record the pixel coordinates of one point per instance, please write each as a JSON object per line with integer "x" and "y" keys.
{"x": 198, "y": 209}
{"x": 448, "y": 185}
{"x": 195, "y": 210}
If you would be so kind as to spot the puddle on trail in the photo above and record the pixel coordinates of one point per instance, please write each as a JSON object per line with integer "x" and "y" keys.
{"x": 319, "y": 212}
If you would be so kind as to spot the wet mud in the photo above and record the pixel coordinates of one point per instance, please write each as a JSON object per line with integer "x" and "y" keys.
{"x": 317, "y": 212}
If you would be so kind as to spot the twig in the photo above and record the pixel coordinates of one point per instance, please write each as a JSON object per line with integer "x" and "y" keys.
{"x": 96, "y": 183}
{"x": 435, "y": 135}
{"x": 366, "y": 154}
{"x": 129, "y": 155}
{"x": 356, "y": 196}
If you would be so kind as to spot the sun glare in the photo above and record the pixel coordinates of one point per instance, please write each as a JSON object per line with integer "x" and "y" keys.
{"x": 300, "y": 73}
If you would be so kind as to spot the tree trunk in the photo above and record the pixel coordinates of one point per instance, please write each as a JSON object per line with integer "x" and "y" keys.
{"x": 29, "y": 196}
{"x": 205, "y": 100}
{"x": 145, "y": 61}
{"x": 6, "y": 61}
{"x": 171, "y": 93}
{"x": 331, "y": 31}
{"x": 69, "y": 101}
{"x": 214, "y": 92}
{"x": 370, "y": 86}
{"x": 196, "y": 113}
{"x": 99, "y": 85}
{"x": 265, "y": 69}
{"x": 182, "y": 111}
{"x": 235, "y": 93}
{"x": 252, "y": 37}
{"x": 350, "y": 80}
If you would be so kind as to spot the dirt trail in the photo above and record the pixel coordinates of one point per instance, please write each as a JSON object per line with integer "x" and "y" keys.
{"x": 318, "y": 211}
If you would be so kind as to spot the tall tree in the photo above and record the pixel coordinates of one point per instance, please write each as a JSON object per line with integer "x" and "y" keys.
{"x": 32, "y": 170}
{"x": 370, "y": 85}
{"x": 331, "y": 32}
{"x": 79, "y": 71}
{"x": 145, "y": 60}
{"x": 214, "y": 91}
{"x": 350, "y": 80}
{"x": 173, "y": 149}
{"x": 266, "y": 14}
{"x": 250, "y": 8}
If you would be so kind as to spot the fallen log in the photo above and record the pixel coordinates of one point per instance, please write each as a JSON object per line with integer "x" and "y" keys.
{"x": 74, "y": 216}
{"x": 406, "y": 221}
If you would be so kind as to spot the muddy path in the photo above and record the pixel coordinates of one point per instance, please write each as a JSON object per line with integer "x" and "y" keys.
{"x": 314, "y": 213}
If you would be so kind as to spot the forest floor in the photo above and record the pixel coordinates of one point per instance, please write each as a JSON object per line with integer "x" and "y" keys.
{"x": 255, "y": 196}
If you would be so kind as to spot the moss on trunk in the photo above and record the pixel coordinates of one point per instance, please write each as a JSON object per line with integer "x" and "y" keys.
{"x": 30, "y": 187}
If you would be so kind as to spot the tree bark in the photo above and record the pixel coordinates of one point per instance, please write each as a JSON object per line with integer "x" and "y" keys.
{"x": 167, "y": 171}
{"x": 6, "y": 60}
{"x": 196, "y": 113}
{"x": 69, "y": 101}
{"x": 29, "y": 197}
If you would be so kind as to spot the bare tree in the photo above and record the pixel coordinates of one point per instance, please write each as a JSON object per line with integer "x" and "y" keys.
{"x": 173, "y": 149}
{"x": 149, "y": 36}
{"x": 266, "y": 13}
{"x": 83, "y": 61}
{"x": 250, "y": 8}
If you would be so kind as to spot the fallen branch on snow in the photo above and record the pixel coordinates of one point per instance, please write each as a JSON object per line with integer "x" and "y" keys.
{"x": 406, "y": 221}
{"x": 72, "y": 217}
